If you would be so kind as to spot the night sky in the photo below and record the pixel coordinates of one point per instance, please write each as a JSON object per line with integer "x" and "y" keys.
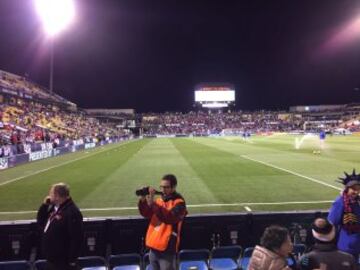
{"x": 149, "y": 54}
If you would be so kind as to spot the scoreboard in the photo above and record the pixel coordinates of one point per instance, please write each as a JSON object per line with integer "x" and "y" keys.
{"x": 211, "y": 95}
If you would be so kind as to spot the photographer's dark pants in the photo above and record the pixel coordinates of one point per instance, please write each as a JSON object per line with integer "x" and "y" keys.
{"x": 162, "y": 260}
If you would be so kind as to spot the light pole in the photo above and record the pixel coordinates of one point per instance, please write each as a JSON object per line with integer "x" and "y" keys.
{"x": 55, "y": 15}
{"x": 51, "y": 80}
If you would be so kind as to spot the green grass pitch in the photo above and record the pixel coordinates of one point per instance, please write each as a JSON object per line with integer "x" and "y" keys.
{"x": 215, "y": 175}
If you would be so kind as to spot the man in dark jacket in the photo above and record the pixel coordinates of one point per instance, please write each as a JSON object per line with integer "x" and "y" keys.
{"x": 324, "y": 254}
{"x": 61, "y": 223}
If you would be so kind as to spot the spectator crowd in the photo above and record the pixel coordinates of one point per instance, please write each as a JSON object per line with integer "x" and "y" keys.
{"x": 23, "y": 123}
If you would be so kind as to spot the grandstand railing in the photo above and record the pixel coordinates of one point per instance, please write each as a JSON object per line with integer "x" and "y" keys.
{"x": 102, "y": 237}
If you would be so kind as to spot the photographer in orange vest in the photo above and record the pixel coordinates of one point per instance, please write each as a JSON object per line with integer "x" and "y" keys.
{"x": 166, "y": 215}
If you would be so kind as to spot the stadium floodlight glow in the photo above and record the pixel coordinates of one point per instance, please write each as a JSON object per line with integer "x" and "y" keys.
{"x": 56, "y": 15}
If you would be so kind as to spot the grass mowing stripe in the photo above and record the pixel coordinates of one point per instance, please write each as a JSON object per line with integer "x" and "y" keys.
{"x": 64, "y": 163}
{"x": 292, "y": 172}
{"x": 191, "y": 182}
{"x": 231, "y": 177}
{"x": 189, "y": 206}
{"x": 287, "y": 158}
{"x": 136, "y": 171}
{"x": 83, "y": 176}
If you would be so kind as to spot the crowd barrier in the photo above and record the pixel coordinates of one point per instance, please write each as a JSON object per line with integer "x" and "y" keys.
{"x": 21, "y": 240}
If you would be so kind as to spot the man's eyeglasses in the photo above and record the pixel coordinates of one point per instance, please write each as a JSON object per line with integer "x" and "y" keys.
{"x": 165, "y": 187}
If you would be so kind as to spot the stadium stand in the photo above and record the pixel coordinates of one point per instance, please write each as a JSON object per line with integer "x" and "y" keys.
{"x": 236, "y": 123}
{"x": 35, "y": 124}
{"x": 25, "y": 123}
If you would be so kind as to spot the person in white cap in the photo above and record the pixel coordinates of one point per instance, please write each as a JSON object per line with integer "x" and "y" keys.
{"x": 324, "y": 254}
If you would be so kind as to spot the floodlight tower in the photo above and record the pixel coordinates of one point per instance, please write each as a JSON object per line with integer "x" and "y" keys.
{"x": 55, "y": 15}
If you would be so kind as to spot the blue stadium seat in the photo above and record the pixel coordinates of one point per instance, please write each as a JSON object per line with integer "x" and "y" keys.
{"x": 15, "y": 265}
{"x": 194, "y": 259}
{"x": 91, "y": 262}
{"x": 95, "y": 268}
{"x": 130, "y": 261}
{"x": 40, "y": 264}
{"x": 225, "y": 258}
{"x": 127, "y": 267}
{"x": 244, "y": 262}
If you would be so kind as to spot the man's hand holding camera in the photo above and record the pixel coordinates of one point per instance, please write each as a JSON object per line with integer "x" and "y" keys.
{"x": 150, "y": 196}
{"x": 147, "y": 194}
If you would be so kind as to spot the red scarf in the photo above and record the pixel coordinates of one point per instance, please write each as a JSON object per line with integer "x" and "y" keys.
{"x": 350, "y": 221}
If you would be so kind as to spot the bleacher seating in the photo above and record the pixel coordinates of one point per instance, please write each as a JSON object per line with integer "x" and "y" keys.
{"x": 25, "y": 123}
{"x": 39, "y": 265}
{"x": 220, "y": 258}
{"x": 190, "y": 259}
{"x": 91, "y": 262}
{"x": 131, "y": 261}
{"x": 225, "y": 258}
{"x": 244, "y": 261}
{"x": 125, "y": 235}
{"x": 15, "y": 265}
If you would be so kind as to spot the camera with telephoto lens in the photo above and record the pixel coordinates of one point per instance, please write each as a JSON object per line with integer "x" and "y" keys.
{"x": 145, "y": 191}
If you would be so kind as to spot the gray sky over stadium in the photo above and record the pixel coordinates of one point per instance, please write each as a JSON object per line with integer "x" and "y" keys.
{"x": 149, "y": 54}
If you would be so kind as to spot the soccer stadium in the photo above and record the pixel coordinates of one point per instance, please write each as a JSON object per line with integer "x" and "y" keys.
{"x": 239, "y": 170}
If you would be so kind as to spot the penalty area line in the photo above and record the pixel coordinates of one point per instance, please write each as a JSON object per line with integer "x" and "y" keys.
{"x": 245, "y": 205}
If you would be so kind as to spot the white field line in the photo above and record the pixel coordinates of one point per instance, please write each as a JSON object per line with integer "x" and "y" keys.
{"x": 292, "y": 172}
{"x": 61, "y": 164}
{"x": 189, "y": 206}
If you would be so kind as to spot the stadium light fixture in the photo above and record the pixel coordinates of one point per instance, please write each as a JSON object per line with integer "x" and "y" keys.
{"x": 56, "y": 15}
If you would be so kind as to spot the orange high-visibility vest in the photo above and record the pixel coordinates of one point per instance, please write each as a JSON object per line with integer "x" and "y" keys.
{"x": 159, "y": 233}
